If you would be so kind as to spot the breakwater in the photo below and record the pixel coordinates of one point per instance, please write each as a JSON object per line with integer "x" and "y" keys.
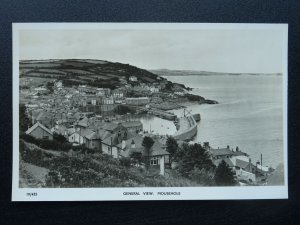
{"x": 187, "y": 128}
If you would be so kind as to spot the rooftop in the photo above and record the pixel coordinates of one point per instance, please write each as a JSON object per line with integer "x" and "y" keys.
{"x": 38, "y": 125}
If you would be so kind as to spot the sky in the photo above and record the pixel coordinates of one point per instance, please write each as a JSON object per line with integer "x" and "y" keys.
{"x": 226, "y": 50}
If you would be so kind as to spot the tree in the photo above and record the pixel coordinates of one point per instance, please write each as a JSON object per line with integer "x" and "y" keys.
{"x": 203, "y": 177}
{"x": 190, "y": 157}
{"x": 224, "y": 176}
{"x": 125, "y": 162}
{"x": 59, "y": 138}
{"x": 136, "y": 157}
{"x": 169, "y": 86}
{"x": 147, "y": 144}
{"x": 50, "y": 86}
{"x": 172, "y": 147}
{"x": 24, "y": 121}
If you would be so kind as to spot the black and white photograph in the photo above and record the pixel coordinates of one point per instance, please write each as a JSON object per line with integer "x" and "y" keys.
{"x": 149, "y": 111}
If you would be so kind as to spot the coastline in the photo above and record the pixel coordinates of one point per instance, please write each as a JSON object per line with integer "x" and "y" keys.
{"x": 181, "y": 103}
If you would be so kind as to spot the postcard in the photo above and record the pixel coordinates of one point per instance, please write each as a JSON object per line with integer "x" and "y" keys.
{"x": 149, "y": 111}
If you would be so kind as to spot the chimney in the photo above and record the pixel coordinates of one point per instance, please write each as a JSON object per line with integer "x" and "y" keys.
{"x": 123, "y": 144}
{"x": 228, "y": 147}
{"x": 237, "y": 148}
{"x": 250, "y": 165}
{"x": 132, "y": 144}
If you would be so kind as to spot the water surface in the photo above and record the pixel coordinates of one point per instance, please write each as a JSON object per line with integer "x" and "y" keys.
{"x": 250, "y": 113}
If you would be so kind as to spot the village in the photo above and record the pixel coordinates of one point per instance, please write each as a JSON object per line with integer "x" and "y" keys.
{"x": 105, "y": 121}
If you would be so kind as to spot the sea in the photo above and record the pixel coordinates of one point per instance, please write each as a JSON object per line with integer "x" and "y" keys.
{"x": 249, "y": 114}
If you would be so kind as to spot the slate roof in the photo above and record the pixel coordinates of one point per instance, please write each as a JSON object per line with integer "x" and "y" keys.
{"x": 44, "y": 115}
{"x": 157, "y": 148}
{"x": 94, "y": 135}
{"x": 227, "y": 161}
{"x": 113, "y": 139}
{"x": 110, "y": 126}
{"x": 84, "y": 122}
{"x": 38, "y": 124}
{"x": 244, "y": 165}
{"x": 225, "y": 152}
{"x": 59, "y": 129}
{"x": 221, "y": 152}
{"x": 86, "y": 132}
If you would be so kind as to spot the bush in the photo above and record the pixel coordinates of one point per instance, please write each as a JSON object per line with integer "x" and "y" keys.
{"x": 203, "y": 177}
{"x": 47, "y": 144}
{"x": 189, "y": 157}
{"x": 224, "y": 176}
{"x": 126, "y": 162}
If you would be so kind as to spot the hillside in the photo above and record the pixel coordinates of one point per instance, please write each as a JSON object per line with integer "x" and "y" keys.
{"x": 166, "y": 72}
{"x": 54, "y": 168}
{"x": 85, "y": 71}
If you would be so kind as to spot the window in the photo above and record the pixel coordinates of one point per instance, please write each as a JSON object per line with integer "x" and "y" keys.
{"x": 45, "y": 137}
{"x": 154, "y": 161}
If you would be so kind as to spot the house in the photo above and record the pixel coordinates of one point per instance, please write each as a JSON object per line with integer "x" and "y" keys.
{"x": 92, "y": 139}
{"x": 242, "y": 167}
{"x": 133, "y": 78}
{"x": 133, "y": 126}
{"x": 134, "y": 145}
{"x": 109, "y": 145}
{"x": 226, "y": 160}
{"x": 245, "y": 171}
{"x": 114, "y": 128}
{"x": 110, "y": 142}
{"x": 60, "y": 129}
{"x": 154, "y": 89}
{"x": 223, "y": 153}
{"x": 41, "y": 90}
{"x": 262, "y": 170}
{"x": 93, "y": 101}
{"x": 39, "y": 131}
{"x": 76, "y": 138}
{"x": 103, "y": 91}
{"x": 108, "y": 101}
{"x": 137, "y": 101}
{"x": 180, "y": 93}
{"x": 82, "y": 124}
{"x": 70, "y": 120}
{"x": 88, "y": 115}
{"x": 45, "y": 118}
{"x": 87, "y": 89}
{"x": 58, "y": 84}
{"x": 117, "y": 94}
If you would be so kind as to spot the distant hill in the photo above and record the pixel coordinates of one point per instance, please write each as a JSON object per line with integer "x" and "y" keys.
{"x": 166, "y": 72}
{"x": 85, "y": 71}
{"x": 277, "y": 178}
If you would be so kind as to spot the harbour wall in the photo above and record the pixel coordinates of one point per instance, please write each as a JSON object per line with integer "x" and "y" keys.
{"x": 187, "y": 128}
{"x": 162, "y": 114}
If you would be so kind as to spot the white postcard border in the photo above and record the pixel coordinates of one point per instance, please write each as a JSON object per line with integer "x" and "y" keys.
{"x": 159, "y": 193}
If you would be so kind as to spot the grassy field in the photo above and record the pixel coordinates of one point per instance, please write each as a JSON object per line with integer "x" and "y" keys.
{"x": 83, "y": 69}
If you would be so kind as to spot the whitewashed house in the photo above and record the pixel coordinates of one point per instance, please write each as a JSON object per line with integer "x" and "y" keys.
{"x": 133, "y": 78}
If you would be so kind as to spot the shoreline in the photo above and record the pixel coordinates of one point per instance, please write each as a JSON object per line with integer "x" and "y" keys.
{"x": 170, "y": 105}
